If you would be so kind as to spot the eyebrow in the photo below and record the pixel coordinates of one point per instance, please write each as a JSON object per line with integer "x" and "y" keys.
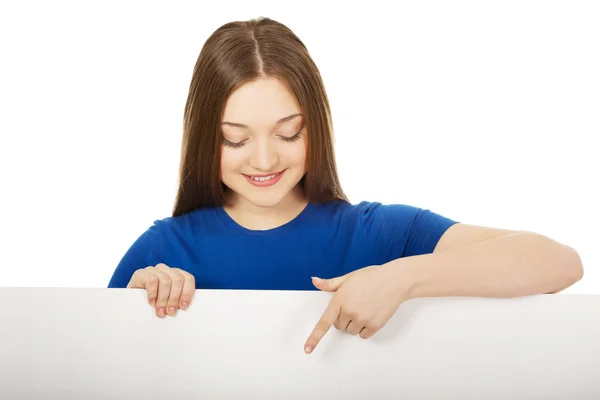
{"x": 281, "y": 121}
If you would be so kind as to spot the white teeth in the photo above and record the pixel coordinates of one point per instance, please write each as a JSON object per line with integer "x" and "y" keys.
{"x": 262, "y": 179}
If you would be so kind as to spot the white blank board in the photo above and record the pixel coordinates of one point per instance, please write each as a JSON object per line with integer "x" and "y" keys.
{"x": 72, "y": 343}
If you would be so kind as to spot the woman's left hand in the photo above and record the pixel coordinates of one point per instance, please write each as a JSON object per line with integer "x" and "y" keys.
{"x": 363, "y": 302}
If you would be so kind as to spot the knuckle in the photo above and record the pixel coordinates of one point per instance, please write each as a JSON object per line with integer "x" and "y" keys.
{"x": 322, "y": 325}
{"x": 165, "y": 282}
{"x": 178, "y": 280}
{"x": 152, "y": 279}
{"x": 186, "y": 275}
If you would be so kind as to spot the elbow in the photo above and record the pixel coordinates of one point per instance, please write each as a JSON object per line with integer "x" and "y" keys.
{"x": 571, "y": 270}
{"x": 573, "y": 267}
{"x": 574, "y": 264}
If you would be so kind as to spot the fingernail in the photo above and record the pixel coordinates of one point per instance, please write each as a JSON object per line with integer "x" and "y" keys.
{"x": 161, "y": 312}
{"x": 308, "y": 349}
{"x": 153, "y": 302}
{"x": 172, "y": 310}
{"x": 184, "y": 305}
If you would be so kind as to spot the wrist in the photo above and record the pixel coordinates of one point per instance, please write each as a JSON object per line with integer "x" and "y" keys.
{"x": 405, "y": 273}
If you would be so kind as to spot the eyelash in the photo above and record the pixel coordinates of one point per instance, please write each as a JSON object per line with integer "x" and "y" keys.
{"x": 292, "y": 139}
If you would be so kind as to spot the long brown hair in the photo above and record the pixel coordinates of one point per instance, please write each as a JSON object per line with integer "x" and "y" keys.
{"x": 236, "y": 53}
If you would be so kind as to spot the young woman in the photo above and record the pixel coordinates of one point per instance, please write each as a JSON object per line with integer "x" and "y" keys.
{"x": 260, "y": 205}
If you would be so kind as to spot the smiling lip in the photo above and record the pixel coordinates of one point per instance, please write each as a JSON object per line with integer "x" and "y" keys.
{"x": 264, "y": 183}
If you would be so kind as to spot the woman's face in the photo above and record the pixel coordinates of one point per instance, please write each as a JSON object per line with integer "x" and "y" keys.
{"x": 264, "y": 143}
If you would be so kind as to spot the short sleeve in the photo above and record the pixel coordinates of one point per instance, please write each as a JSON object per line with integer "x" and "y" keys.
{"x": 425, "y": 232}
{"x": 143, "y": 253}
{"x": 398, "y": 230}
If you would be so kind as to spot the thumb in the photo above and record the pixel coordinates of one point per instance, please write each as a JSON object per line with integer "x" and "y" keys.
{"x": 329, "y": 285}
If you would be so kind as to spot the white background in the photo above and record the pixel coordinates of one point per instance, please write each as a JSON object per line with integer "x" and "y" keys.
{"x": 485, "y": 112}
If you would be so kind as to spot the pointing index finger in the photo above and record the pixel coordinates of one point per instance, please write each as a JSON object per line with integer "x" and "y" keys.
{"x": 327, "y": 320}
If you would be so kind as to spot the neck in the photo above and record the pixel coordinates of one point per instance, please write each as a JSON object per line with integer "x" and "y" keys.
{"x": 254, "y": 217}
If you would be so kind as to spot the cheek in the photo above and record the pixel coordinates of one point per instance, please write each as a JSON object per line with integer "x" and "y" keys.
{"x": 230, "y": 161}
{"x": 298, "y": 154}
{"x": 294, "y": 157}
{"x": 303, "y": 155}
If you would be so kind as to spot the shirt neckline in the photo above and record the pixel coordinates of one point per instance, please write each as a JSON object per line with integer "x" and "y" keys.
{"x": 237, "y": 228}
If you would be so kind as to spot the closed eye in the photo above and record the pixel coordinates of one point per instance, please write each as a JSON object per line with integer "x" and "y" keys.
{"x": 237, "y": 145}
{"x": 232, "y": 144}
{"x": 294, "y": 138}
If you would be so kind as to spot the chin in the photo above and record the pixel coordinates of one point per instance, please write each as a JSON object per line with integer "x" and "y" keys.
{"x": 264, "y": 197}
{"x": 262, "y": 202}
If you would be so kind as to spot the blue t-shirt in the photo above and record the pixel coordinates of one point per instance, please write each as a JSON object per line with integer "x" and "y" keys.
{"x": 324, "y": 240}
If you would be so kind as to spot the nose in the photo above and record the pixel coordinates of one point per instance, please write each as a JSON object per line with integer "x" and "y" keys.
{"x": 264, "y": 156}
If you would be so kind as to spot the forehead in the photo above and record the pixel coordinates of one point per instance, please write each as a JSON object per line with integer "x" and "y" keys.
{"x": 260, "y": 103}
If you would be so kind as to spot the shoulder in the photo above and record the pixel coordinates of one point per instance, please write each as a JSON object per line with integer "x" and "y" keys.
{"x": 366, "y": 212}
{"x": 415, "y": 230}
{"x": 377, "y": 212}
{"x": 366, "y": 218}
{"x": 167, "y": 241}
{"x": 180, "y": 227}
{"x": 370, "y": 210}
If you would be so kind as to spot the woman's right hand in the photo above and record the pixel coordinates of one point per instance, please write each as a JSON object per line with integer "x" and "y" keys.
{"x": 169, "y": 289}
